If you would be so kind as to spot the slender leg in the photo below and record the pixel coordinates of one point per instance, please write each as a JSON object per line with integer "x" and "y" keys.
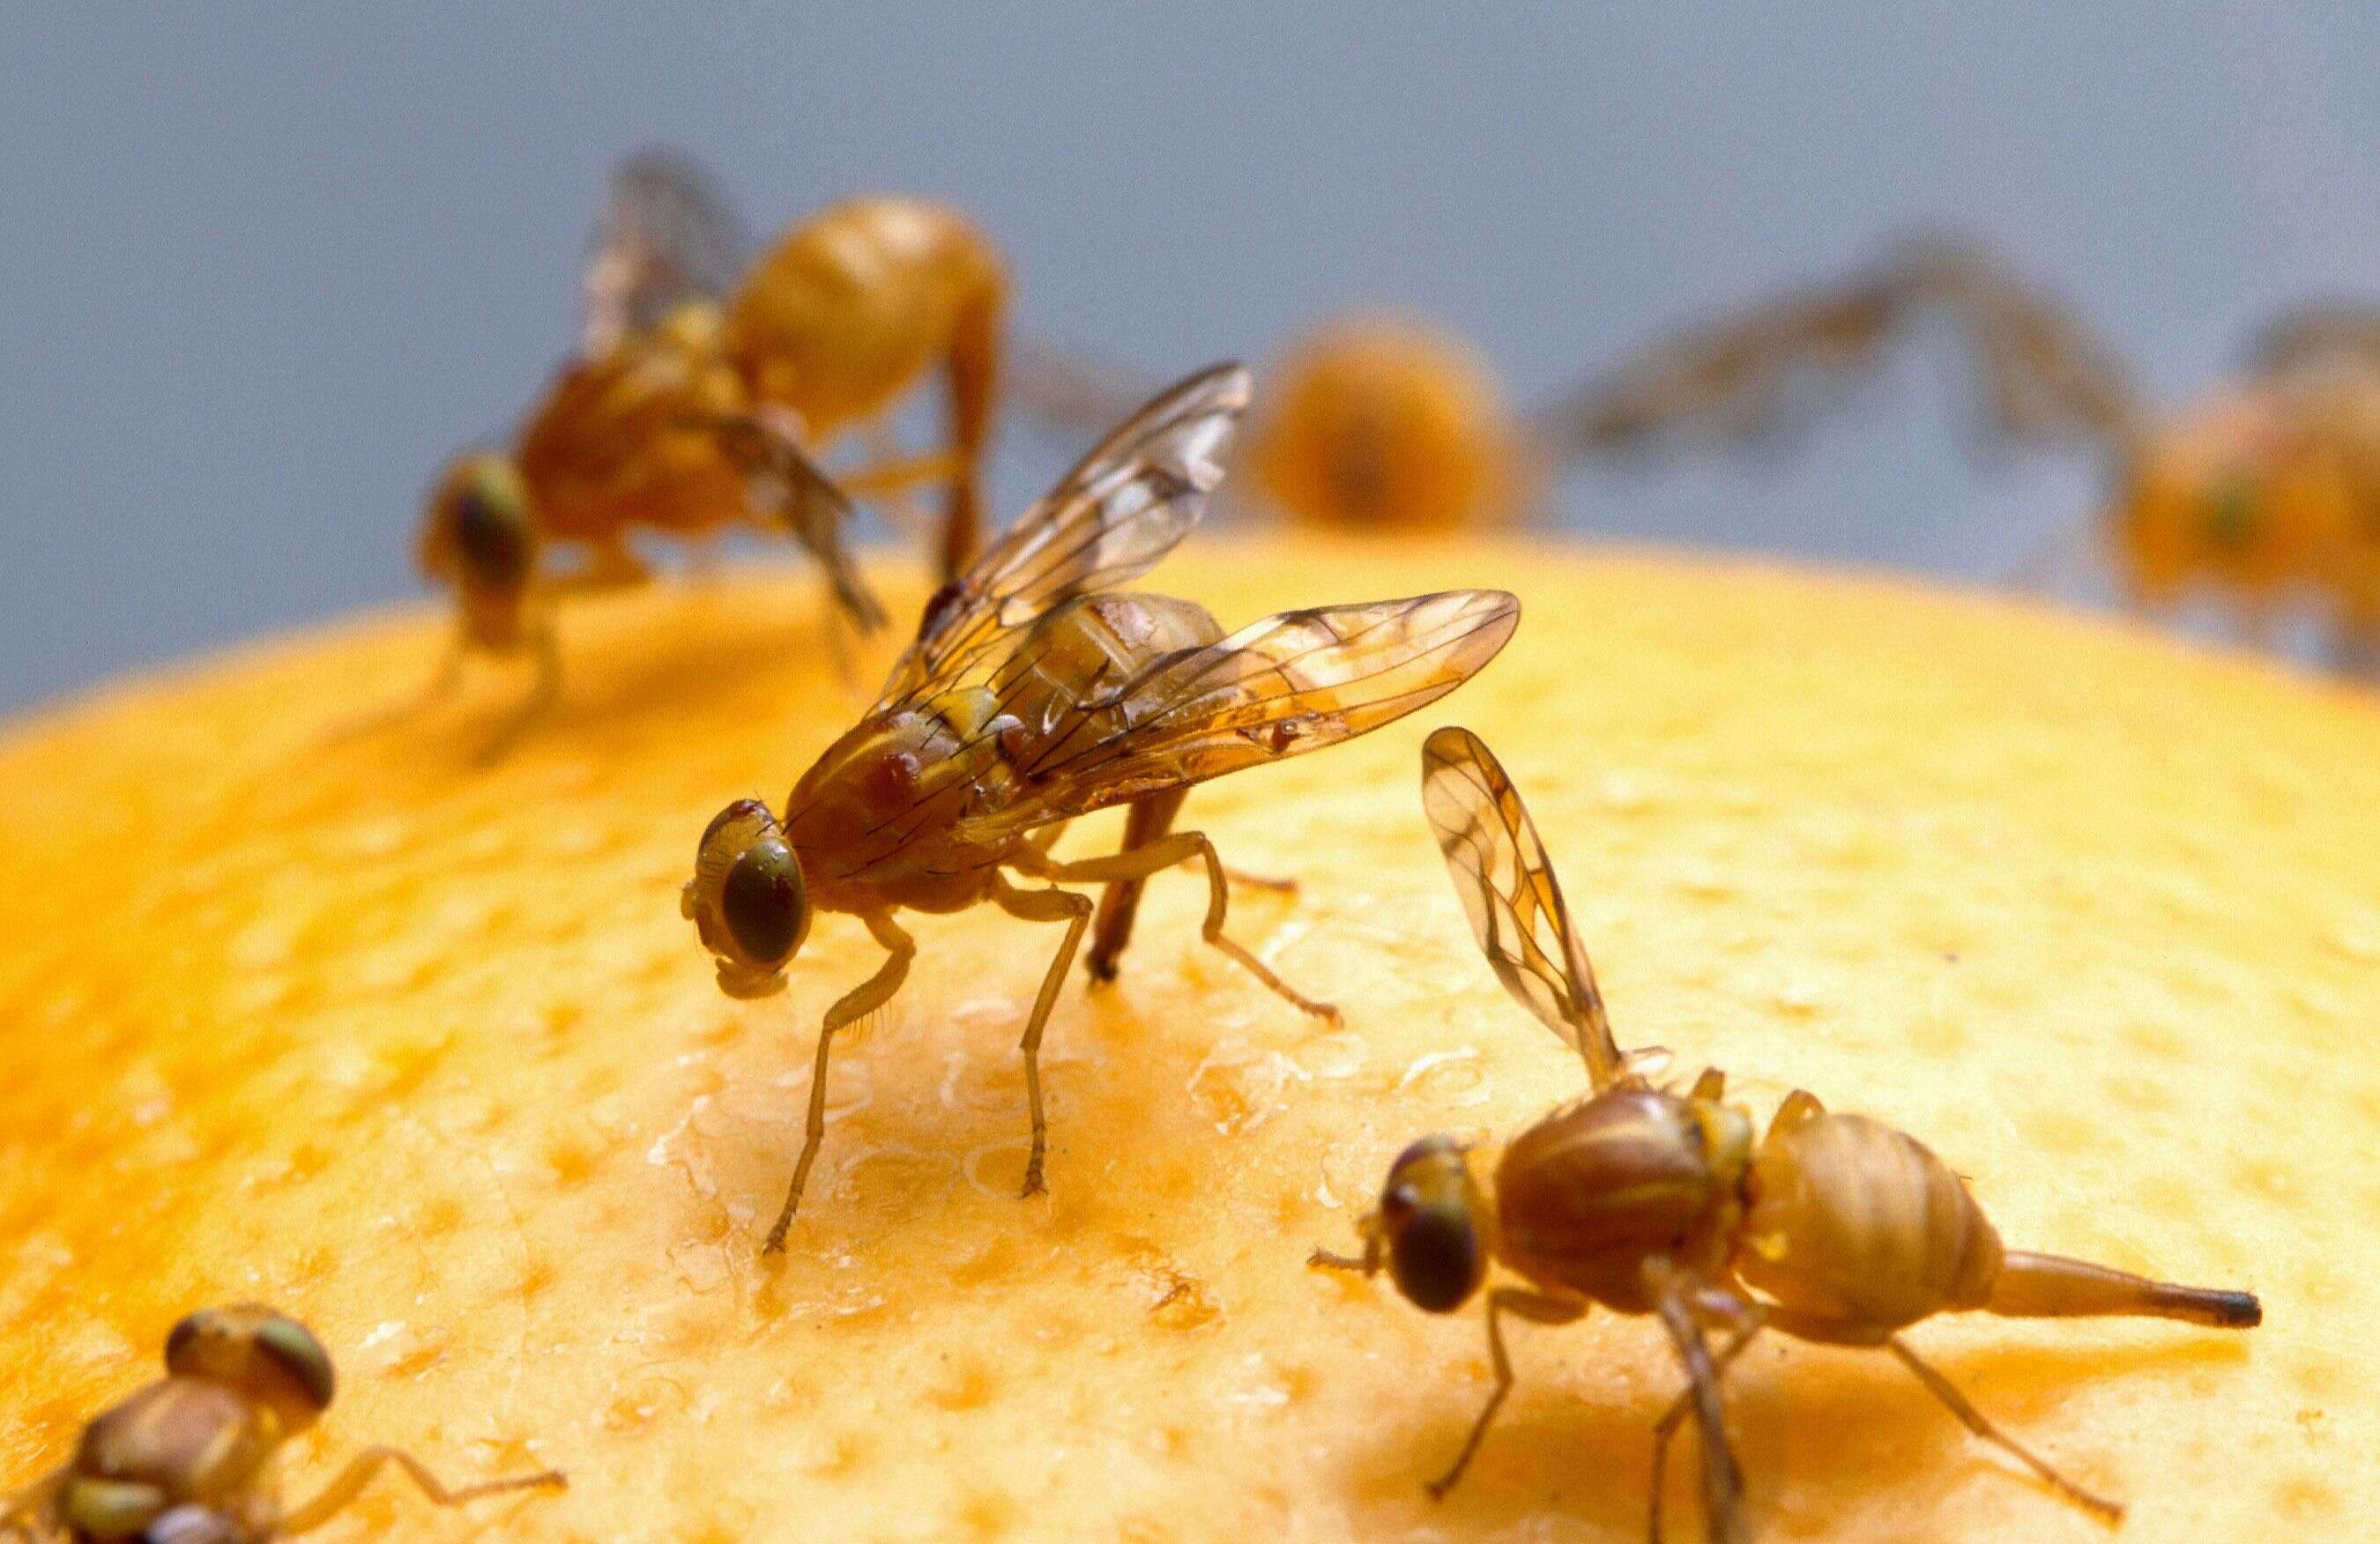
{"x": 2108, "y": 1512}
{"x": 973, "y": 371}
{"x": 853, "y": 1005}
{"x": 885, "y": 451}
{"x": 1746, "y": 1329}
{"x": 1163, "y": 854}
{"x": 1041, "y": 841}
{"x": 1722, "y": 1477}
{"x": 1537, "y": 1308}
{"x": 2051, "y": 1286}
{"x": 1711, "y": 1084}
{"x": 892, "y": 474}
{"x": 349, "y": 1483}
{"x": 1043, "y": 906}
{"x": 1147, "y": 821}
{"x": 611, "y": 566}
{"x": 542, "y": 695}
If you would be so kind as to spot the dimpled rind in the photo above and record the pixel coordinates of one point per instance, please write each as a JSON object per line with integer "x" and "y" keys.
{"x": 425, "y": 1055}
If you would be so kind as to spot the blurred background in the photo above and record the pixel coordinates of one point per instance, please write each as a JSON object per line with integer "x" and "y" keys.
{"x": 262, "y": 274}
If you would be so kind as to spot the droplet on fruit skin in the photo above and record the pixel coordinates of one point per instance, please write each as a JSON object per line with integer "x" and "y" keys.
{"x": 1449, "y": 1080}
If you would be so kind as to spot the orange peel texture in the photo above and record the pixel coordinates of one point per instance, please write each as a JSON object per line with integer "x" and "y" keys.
{"x": 425, "y": 1055}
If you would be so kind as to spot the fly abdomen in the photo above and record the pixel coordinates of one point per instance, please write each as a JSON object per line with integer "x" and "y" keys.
{"x": 1853, "y": 1223}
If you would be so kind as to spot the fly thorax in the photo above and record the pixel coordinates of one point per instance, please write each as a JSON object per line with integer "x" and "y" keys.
{"x": 1589, "y": 1194}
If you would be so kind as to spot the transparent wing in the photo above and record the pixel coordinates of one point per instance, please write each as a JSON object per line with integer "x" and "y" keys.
{"x": 666, "y": 235}
{"x": 1107, "y": 522}
{"x": 2317, "y": 336}
{"x": 817, "y": 512}
{"x": 2045, "y": 381}
{"x": 1070, "y": 392}
{"x": 1507, "y": 887}
{"x": 1277, "y": 688}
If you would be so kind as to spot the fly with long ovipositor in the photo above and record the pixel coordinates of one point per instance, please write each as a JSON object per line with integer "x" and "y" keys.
{"x": 190, "y": 1459}
{"x": 1832, "y": 1228}
{"x": 703, "y": 389}
{"x": 1036, "y": 691}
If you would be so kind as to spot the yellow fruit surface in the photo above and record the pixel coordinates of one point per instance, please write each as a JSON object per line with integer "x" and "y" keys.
{"x": 424, "y": 1053}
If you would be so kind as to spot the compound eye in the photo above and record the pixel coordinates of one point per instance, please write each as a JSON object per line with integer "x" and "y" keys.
{"x": 180, "y": 1341}
{"x": 762, "y": 902}
{"x": 1435, "y": 1257}
{"x": 292, "y": 1348}
{"x": 493, "y": 535}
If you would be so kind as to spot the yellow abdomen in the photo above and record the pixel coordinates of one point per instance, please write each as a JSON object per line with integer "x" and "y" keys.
{"x": 1389, "y": 426}
{"x": 1857, "y": 1223}
{"x": 855, "y": 303}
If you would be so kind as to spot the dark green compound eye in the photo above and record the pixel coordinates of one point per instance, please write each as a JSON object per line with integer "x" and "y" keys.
{"x": 294, "y": 1348}
{"x": 1434, "y": 1258}
{"x": 179, "y": 1340}
{"x": 493, "y": 535}
{"x": 762, "y": 902}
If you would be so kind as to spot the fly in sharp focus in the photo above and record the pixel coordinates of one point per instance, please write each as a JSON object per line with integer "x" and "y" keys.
{"x": 191, "y": 1458}
{"x": 703, "y": 389}
{"x": 1037, "y": 692}
{"x": 1834, "y": 1228}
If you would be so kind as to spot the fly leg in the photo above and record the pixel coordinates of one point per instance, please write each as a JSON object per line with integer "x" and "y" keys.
{"x": 439, "y": 686}
{"x": 1674, "y": 1299}
{"x": 852, "y": 1006}
{"x": 349, "y": 1483}
{"x": 885, "y": 451}
{"x": 1537, "y": 1308}
{"x": 609, "y": 566}
{"x": 1042, "y": 906}
{"x": 1163, "y": 854}
{"x": 2108, "y": 1512}
{"x": 543, "y": 693}
{"x": 1749, "y": 1320}
{"x": 1148, "y": 820}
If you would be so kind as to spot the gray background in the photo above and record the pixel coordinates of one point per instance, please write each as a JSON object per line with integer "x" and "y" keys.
{"x": 261, "y": 272}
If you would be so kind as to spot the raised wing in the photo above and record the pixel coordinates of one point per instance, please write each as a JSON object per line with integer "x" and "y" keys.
{"x": 783, "y": 479}
{"x": 1277, "y": 688}
{"x": 2318, "y": 336}
{"x": 1070, "y": 392}
{"x": 1107, "y": 522}
{"x": 667, "y": 235}
{"x": 1507, "y": 887}
{"x": 2045, "y": 381}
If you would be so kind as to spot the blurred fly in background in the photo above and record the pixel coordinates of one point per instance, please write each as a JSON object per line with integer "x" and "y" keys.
{"x": 270, "y": 274}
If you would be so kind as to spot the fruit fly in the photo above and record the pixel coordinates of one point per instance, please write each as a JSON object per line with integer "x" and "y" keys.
{"x": 1373, "y": 424}
{"x": 2267, "y": 492}
{"x": 1035, "y": 691}
{"x": 699, "y": 400}
{"x": 189, "y": 1458}
{"x": 1383, "y": 424}
{"x": 1834, "y": 1228}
